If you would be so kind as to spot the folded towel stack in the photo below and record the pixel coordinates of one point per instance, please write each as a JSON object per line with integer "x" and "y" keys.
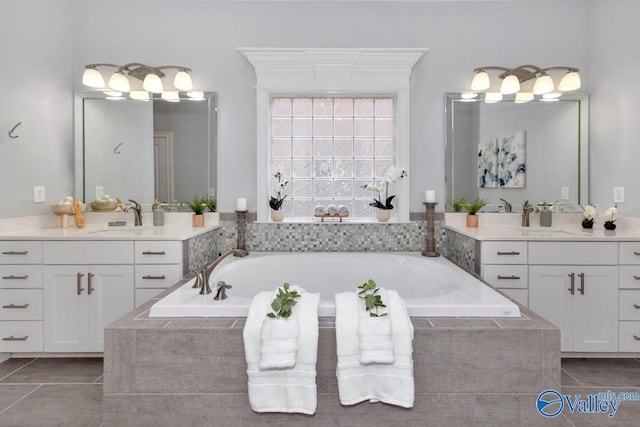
{"x": 343, "y": 210}
{"x": 332, "y": 210}
{"x": 319, "y": 210}
{"x": 390, "y": 383}
{"x": 291, "y": 387}
{"x": 374, "y": 335}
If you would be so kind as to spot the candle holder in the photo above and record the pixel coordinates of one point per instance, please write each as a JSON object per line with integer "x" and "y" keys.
{"x": 241, "y": 222}
{"x": 430, "y": 251}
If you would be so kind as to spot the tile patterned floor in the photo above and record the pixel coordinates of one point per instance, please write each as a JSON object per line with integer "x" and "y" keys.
{"x": 68, "y": 392}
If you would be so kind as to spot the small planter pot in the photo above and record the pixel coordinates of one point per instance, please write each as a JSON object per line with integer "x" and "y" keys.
{"x": 587, "y": 223}
{"x": 383, "y": 215}
{"x": 197, "y": 220}
{"x": 609, "y": 225}
{"x": 472, "y": 221}
{"x": 277, "y": 215}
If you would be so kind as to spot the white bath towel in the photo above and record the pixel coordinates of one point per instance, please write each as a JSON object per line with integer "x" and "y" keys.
{"x": 283, "y": 390}
{"x": 332, "y": 210}
{"x": 343, "y": 210}
{"x": 389, "y": 383}
{"x": 279, "y": 342}
{"x": 374, "y": 333}
{"x": 319, "y": 210}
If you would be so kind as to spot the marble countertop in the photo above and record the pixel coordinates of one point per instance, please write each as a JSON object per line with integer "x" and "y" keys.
{"x": 565, "y": 228}
{"x": 177, "y": 227}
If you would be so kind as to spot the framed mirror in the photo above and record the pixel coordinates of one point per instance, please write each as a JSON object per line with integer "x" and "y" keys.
{"x": 140, "y": 150}
{"x": 536, "y": 151}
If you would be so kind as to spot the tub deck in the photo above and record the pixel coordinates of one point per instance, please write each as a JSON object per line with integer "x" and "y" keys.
{"x": 191, "y": 371}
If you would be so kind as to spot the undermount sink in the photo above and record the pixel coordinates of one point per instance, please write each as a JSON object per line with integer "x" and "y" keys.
{"x": 544, "y": 233}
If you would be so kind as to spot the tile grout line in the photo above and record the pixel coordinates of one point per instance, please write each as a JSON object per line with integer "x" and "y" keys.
{"x": 16, "y": 370}
{"x": 572, "y": 377}
{"x": 21, "y": 399}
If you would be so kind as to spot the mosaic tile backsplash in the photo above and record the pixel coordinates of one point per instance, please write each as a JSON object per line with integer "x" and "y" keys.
{"x": 461, "y": 250}
{"x": 202, "y": 249}
{"x": 332, "y": 237}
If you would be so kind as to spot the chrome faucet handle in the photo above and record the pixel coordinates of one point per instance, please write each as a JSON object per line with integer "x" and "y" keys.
{"x": 221, "y": 293}
{"x": 205, "y": 289}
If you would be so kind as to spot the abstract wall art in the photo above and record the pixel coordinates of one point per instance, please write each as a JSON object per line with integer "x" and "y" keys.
{"x": 501, "y": 161}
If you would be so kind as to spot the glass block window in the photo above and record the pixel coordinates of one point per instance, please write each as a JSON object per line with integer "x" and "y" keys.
{"x": 328, "y": 148}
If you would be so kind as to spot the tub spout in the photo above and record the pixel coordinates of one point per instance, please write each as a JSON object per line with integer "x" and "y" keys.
{"x": 207, "y": 269}
{"x": 221, "y": 294}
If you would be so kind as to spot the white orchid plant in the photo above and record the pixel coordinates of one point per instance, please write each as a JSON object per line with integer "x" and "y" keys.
{"x": 610, "y": 213}
{"x": 383, "y": 200}
{"x": 275, "y": 202}
{"x": 590, "y": 212}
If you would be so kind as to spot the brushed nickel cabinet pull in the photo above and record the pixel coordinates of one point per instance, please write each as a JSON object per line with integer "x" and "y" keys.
{"x": 636, "y": 253}
{"x": 12, "y": 338}
{"x": 150, "y": 277}
{"x": 508, "y": 253}
{"x": 636, "y": 306}
{"x": 512, "y": 277}
{"x": 581, "y": 288}
{"x": 79, "y": 283}
{"x": 89, "y": 276}
{"x": 572, "y": 289}
{"x": 636, "y": 277}
{"x": 12, "y": 277}
{"x": 16, "y": 306}
{"x": 15, "y": 253}
{"x": 153, "y": 253}
{"x": 637, "y": 338}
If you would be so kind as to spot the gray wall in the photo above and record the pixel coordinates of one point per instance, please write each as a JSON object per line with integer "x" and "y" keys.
{"x": 597, "y": 36}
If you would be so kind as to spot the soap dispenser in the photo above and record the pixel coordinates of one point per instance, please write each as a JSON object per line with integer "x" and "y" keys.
{"x": 158, "y": 213}
{"x": 545, "y": 215}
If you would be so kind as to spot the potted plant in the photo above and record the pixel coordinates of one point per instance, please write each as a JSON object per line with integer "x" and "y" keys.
{"x": 383, "y": 213}
{"x": 590, "y": 213}
{"x": 472, "y": 209}
{"x": 610, "y": 223}
{"x": 212, "y": 204}
{"x": 197, "y": 205}
{"x": 275, "y": 202}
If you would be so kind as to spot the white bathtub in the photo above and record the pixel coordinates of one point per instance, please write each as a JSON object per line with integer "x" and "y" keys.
{"x": 429, "y": 286}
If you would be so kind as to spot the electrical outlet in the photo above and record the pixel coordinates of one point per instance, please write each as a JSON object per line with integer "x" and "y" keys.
{"x": 618, "y": 194}
{"x": 39, "y": 194}
{"x": 99, "y": 192}
{"x": 564, "y": 193}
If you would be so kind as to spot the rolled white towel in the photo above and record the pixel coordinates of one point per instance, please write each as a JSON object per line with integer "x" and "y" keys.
{"x": 343, "y": 210}
{"x": 332, "y": 210}
{"x": 278, "y": 343}
{"x": 319, "y": 210}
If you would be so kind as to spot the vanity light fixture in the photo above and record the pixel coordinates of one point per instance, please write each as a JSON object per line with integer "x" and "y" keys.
{"x": 150, "y": 76}
{"x": 512, "y": 79}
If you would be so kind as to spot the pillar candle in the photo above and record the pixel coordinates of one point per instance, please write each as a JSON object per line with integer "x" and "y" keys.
{"x": 430, "y": 196}
{"x": 241, "y": 204}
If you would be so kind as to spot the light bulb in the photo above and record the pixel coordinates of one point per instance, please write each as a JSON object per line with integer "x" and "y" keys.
{"x": 469, "y": 95}
{"x": 543, "y": 84}
{"x": 92, "y": 78}
{"x": 522, "y": 97}
{"x": 152, "y": 83}
{"x": 139, "y": 95}
{"x": 480, "y": 81}
{"x": 510, "y": 85}
{"x": 119, "y": 82}
{"x": 196, "y": 95}
{"x": 570, "y": 81}
{"x": 183, "y": 81}
{"x": 491, "y": 97}
{"x": 171, "y": 96}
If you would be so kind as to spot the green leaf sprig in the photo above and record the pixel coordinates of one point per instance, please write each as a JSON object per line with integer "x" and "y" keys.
{"x": 372, "y": 301}
{"x": 282, "y": 304}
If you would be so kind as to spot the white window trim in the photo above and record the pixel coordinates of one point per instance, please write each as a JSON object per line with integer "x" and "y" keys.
{"x": 335, "y": 71}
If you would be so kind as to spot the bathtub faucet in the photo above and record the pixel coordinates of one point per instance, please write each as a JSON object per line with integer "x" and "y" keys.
{"x": 207, "y": 269}
{"x": 221, "y": 293}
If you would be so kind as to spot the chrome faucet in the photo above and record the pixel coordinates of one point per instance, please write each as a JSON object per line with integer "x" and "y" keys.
{"x": 137, "y": 212}
{"x": 207, "y": 269}
{"x": 507, "y": 206}
{"x": 526, "y": 210}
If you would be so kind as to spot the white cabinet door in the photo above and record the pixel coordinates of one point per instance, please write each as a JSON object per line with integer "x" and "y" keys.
{"x": 110, "y": 296}
{"x": 65, "y": 308}
{"x": 587, "y": 317}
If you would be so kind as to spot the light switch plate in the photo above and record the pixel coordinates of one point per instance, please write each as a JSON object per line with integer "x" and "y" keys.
{"x": 564, "y": 193}
{"x": 99, "y": 192}
{"x": 618, "y": 194}
{"x": 39, "y": 195}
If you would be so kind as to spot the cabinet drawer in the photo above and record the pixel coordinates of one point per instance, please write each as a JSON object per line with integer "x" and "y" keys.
{"x": 629, "y": 277}
{"x": 573, "y": 253}
{"x": 505, "y": 276}
{"x": 629, "y": 253}
{"x": 21, "y": 276}
{"x": 20, "y": 304}
{"x": 88, "y": 252}
{"x": 157, "y": 276}
{"x": 20, "y": 252}
{"x": 629, "y": 305}
{"x": 162, "y": 252}
{"x": 504, "y": 252}
{"x": 629, "y": 336}
{"x": 19, "y": 337}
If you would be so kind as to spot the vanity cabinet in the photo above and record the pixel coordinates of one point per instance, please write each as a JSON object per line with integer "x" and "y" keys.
{"x": 87, "y": 285}
{"x": 158, "y": 265}
{"x": 629, "y": 297}
{"x": 575, "y": 286}
{"x": 21, "y": 297}
{"x": 504, "y": 266}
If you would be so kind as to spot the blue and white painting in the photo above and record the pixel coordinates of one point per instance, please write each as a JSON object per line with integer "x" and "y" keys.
{"x": 501, "y": 162}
